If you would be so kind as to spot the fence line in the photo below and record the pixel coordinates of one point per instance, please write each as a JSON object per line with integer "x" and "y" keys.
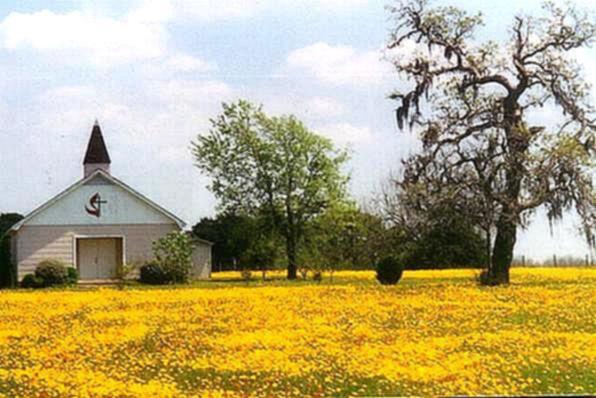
{"x": 587, "y": 260}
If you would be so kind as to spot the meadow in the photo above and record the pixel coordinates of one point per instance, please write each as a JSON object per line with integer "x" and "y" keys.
{"x": 435, "y": 333}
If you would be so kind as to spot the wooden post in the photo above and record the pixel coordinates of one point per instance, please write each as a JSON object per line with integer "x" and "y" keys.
{"x": 554, "y": 260}
{"x": 523, "y": 260}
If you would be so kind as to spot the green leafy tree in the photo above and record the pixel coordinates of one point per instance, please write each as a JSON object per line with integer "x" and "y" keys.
{"x": 7, "y": 220}
{"x": 232, "y": 235}
{"x": 433, "y": 231}
{"x": 470, "y": 102}
{"x": 272, "y": 167}
{"x": 453, "y": 244}
{"x": 367, "y": 239}
{"x": 263, "y": 253}
{"x": 327, "y": 240}
{"x": 345, "y": 237}
{"x": 173, "y": 253}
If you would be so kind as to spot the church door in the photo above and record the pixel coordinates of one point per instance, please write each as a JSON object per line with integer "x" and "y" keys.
{"x": 98, "y": 258}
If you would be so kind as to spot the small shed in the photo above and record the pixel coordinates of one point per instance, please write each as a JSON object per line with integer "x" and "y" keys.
{"x": 201, "y": 258}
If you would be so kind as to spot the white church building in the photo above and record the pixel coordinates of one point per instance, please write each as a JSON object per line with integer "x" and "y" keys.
{"x": 97, "y": 225}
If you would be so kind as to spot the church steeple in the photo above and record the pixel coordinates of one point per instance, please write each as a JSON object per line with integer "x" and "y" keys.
{"x": 97, "y": 156}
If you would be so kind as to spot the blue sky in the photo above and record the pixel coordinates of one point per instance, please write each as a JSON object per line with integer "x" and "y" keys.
{"x": 154, "y": 72}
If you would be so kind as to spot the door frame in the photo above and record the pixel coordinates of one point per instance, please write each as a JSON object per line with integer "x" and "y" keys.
{"x": 75, "y": 250}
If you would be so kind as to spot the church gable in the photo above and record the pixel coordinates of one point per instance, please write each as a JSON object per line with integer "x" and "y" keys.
{"x": 98, "y": 180}
{"x": 100, "y": 199}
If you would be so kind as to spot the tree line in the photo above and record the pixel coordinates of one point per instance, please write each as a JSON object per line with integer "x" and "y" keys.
{"x": 483, "y": 158}
{"x": 283, "y": 203}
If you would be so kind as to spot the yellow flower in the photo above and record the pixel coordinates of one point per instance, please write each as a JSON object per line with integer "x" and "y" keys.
{"x": 435, "y": 333}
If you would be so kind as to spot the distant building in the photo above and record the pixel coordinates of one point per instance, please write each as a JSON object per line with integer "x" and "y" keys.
{"x": 97, "y": 225}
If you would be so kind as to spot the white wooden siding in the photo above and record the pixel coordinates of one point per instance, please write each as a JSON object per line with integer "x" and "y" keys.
{"x": 201, "y": 259}
{"x": 37, "y": 243}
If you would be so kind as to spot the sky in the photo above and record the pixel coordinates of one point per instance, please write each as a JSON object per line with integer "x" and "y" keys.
{"x": 154, "y": 72}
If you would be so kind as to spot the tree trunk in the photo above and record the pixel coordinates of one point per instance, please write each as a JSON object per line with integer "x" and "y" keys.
{"x": 503, "y": 250}
{"x": 517, "y": 145}
{"x": 489, "y": 257}
{"x": 290, "y": 234}
{"x": 291, "y": 254}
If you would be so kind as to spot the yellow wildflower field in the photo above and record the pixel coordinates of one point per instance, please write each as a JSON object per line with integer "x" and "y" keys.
{"x": 435, "y": 333}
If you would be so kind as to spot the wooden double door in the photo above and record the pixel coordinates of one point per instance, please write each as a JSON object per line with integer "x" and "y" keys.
{"x": 99, "y": 258}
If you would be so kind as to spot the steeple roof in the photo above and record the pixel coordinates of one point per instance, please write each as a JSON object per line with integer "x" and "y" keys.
{"x": 97, "y": 153}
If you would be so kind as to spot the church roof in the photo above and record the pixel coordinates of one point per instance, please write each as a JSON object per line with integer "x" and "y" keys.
{"x": 97, "y": 153}
{"x": 98, "y": 173}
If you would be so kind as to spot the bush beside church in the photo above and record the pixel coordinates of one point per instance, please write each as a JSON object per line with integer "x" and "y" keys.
{"x": 172, "y": 263}
{"x": 51, "y": 273}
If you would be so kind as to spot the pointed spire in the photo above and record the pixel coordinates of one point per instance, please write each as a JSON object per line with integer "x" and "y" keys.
{"x": 97, "y": 156}
{"x": 97, "y": 153}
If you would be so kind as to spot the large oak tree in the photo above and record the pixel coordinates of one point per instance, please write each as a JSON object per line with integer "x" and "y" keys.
{"x": 271, "y": 167}
{"x": 471, "y": 103}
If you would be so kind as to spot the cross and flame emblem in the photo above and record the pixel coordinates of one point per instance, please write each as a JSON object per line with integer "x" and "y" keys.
{"x": 94, "y": 206}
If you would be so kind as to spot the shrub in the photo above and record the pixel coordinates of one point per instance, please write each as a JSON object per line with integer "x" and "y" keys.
{"x": 72, "y": 275}
{"x": 124, "y": 273}
{"x": 173, "y": 253}
{"x": 52, "y": 272}
{"x": 31, "y": 281}
{"x": 153, "y": 273}
{"x": 389, "y": 270}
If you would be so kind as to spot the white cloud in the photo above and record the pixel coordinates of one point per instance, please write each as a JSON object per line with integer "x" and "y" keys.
{"x": 325, "y": 107}
{"x": 154, "y": 11}
{"x": 103, "y": 40}
{"x": 192, "y": 91}
{"x": 141, "y": 33}
{"x": 209, "y": 10}
{"x": 164, "y": 116}
{"x": 345, "y": 133}
{"x": 339, "y": 3}
{"x": 58, "y": 113}
{"x": 214, "y": 10}
{"x": 188, "y": 63}
{"x": 339, "y": 65}
{"x": 310, "y": 109}
{"x": 158, "y": 124}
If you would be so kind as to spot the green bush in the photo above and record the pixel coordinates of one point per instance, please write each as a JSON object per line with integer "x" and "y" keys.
{"x": 52, "y": 272}
{"x": 173, "y": 253}
{"x": 152, "y": 273}
{"x": 389, "y": 270}
{"x": 72, "y": 275}
{"x": 31, "y": 281}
